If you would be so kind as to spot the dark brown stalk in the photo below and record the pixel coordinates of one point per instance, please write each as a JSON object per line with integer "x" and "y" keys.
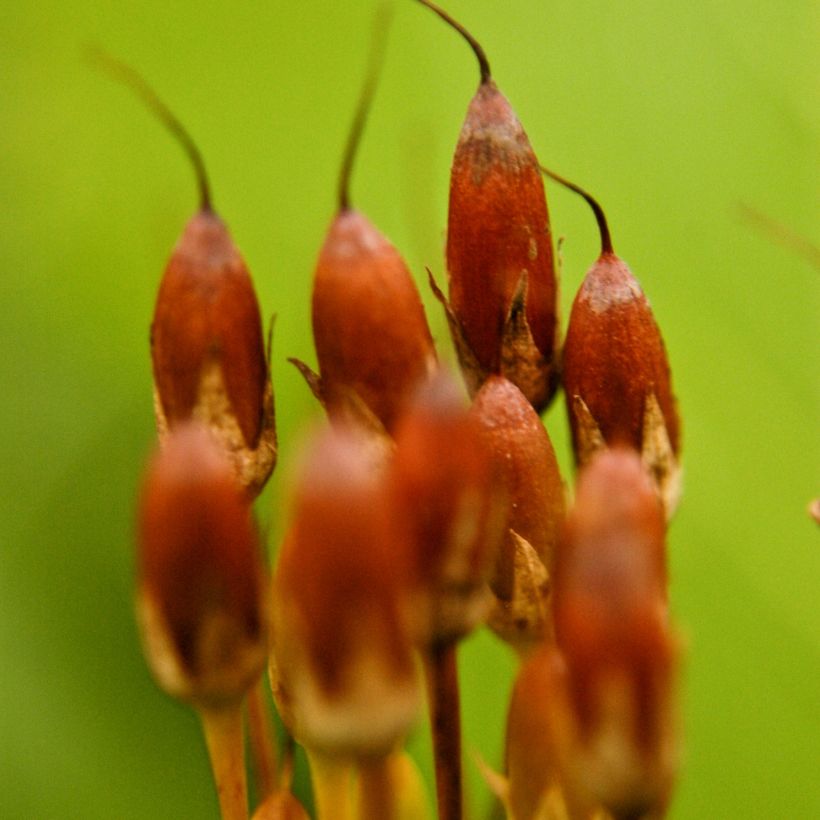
{"x": 123, "y": 73}
{"x": 483, "y": 62}
{"x": 263, "y": 747}
{"x": 377, "y": 52}
{"x": 600, "y": 217}
{"x": 441, "y": 670}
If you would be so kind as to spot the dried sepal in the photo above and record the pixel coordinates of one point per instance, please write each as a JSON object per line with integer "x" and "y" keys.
{"x": 342, "y": 665}
{"x": 658, "y": 455}
{"x": 201, "y": 591}
{"x": 611, "y": 622}
{"x": 525, "y": 619}
{"x": 448, "y": 495}
{"x": 350, "y": 412}
{"x": 208, "y": 351}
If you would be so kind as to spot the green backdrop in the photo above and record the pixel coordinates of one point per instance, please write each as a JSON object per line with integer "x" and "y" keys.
{"x": 673, "y": 114}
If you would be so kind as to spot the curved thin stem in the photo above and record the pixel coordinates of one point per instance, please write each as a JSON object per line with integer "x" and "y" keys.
{"x": 600, "y": 217}
{"x": 128, "y": 76}
{"x": 377, "y": 51}
{"x": 481, "y": 56}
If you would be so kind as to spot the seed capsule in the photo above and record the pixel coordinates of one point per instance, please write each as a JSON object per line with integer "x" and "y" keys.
{"x": 207, "y": 349}
{"x": 202, "y": 588}
{"x": 502, "y": 286}
{"x": 611, "y": 623}
{"x": 372, "y": 341}
{"x": 450, "y": 498}
{"x": 526, "y": 460}
{"x": 342, "y": 664}
{"x": 208, "y": 352}
{"x": 615, "y": 371}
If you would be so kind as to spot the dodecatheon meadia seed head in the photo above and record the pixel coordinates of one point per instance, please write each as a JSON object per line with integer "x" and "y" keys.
{"x": 207, "y": 349}
{"x": 616, "y": 374}
{"x": 373, "y": 344}
{"x": 342, "y": 662}
{"x": 612, "y": 626}
{"x": 502, "y": 308}
{"x": 201, "y": 582}
{"x": 449, "y": 495}
{"x": 525, "y": 459}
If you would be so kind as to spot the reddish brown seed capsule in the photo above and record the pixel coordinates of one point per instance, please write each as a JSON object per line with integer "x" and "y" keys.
{"x": 526, "y": 460}
{"x": 611, "y": 622}
{"x": 615, "y": 370}
{"x": 502, "y": 283}
{"x": 369, "y": 327}
{"x": 201, "y": 581}
{"x": 538, "y": 741}
{"x": 206, "y": 337}
{"x": 207, "y": 349}
{"x": 342, "y": 655}
{"x": 450, "y": 498}
{"x": 372, "y": 341}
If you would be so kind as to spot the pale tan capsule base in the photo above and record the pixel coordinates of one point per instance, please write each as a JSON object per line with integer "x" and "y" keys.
{"x": 657, "y": 454}
{"x": 611, "y": 768}
{"x": 213, "y": 409}
{"x": 229, "y": 661}
{"x": 370, "y": 712}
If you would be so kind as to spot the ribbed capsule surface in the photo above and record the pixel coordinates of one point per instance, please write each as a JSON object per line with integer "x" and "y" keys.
{"x": 614, "y": 359}
{"x": 369, "y": 326}
{"x": 207, "y": 310}
{"x": 498, "y": 231}
{"x": 201, "y": 581}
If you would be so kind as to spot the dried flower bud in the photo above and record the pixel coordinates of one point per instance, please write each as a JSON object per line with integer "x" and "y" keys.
{"x": 369, "y": 327}
{"x": 611, "y": 622}
{"x": 208, "y": 352}
{"x": 449, "y": 497}
{"x": 502, "y": 284}
{"x": 526, "y": 460}
{"x": 201, "y": 597}
{"x": 342, "y": 662}
{"x": 615, "y": 370}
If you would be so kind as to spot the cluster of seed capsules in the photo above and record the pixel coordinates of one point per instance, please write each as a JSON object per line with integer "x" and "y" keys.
{"x": 417, "y": 515}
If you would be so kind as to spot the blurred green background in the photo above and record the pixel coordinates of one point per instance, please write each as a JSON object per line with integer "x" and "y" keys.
{"x": 672, "y": 114}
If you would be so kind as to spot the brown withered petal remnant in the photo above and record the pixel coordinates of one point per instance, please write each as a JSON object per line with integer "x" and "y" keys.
{"x": 208, "y": 351}
{"x": 502, "y": 285}
{"x": 526, "y": 461}
{"x": 342, "y": 664}
{"x": 449, "y": 496}
{"x": 202, "y": 587}
{"x": 369, "y": 327}
{"x": 611, "y": 622}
